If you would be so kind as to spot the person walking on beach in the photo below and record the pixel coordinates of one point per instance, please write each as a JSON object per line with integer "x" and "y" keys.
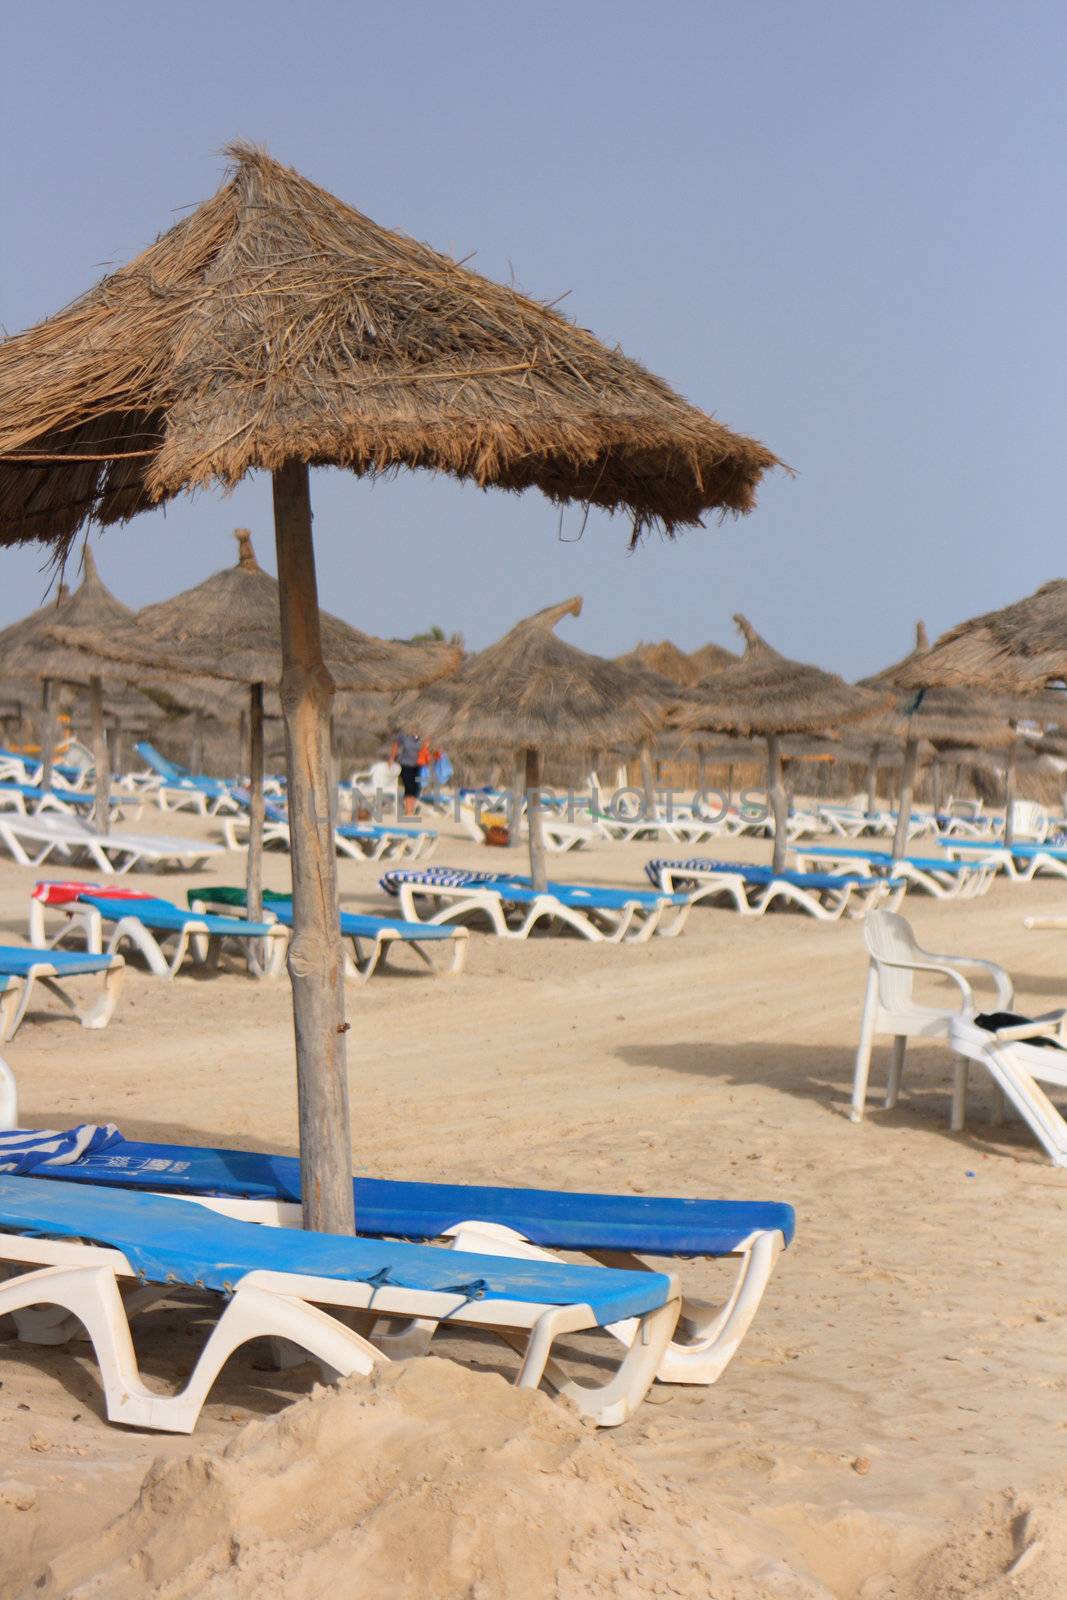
{"x": 407, "y": 749}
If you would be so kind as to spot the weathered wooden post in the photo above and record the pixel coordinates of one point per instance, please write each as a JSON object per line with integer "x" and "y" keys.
{"x": 779, "y": 803}
{"x": 101, "y": 758}
{"x": 254, "y": 865}
{"x": 907, "y": 784}
{"x": 538, "y": 872}
{"x": 316, "y": 967}
{"x": 47, "y": 738}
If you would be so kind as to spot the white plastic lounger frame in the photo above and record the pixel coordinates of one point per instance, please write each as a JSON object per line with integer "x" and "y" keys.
{"x": 751, "y": 899}
{"x": 635, "y": 922}
{"x": 15, "y": 998}
{"x": 707, "y": 1338}
{"x": 1018, "y": 1068}
{"x": 399, "y": 844}
{"x": 86, "y": 1282}
{"x": 189, "y": 797}
{"x": 164, "y": 950}
{"x": 975, "y": 879}
{"x": 889, "y": 1007}
{"x": 33, "y": 840}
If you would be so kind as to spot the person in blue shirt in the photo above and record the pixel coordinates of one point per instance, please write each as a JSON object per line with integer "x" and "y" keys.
{"x": 412, "y": 754}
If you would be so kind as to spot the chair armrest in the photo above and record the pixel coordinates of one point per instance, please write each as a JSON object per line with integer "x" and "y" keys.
{"x": 1005, "y": 989}
{"x": 934, "y": 964}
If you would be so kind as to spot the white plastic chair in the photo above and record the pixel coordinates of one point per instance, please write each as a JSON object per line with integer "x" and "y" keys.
{"x": 889, "y": 1005}
{"x": 1029, "y": 821}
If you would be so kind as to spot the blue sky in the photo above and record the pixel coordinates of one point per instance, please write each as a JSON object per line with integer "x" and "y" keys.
{"x": 839, "y": 226}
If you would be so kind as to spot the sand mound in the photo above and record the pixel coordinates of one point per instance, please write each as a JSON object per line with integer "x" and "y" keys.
{"x": 428, "y": 1481}
{"x": 1015, "y": 1547}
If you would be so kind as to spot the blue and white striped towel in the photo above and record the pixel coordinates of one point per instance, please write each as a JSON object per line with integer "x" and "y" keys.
{"x": 447, "y": 877}
{"x": 25, "y": 1151}
{"x": 654, "y": 868}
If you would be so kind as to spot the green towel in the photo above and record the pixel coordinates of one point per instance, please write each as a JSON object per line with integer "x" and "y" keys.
{"x": 230, "y": 895}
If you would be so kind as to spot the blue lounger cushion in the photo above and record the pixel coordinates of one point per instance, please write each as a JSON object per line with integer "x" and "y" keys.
{"x": 751, "y": 872}
{"x": 162, "y": 916}
{"x": 375, "y": 830}
{"x": 356, "y": 925}
{"x": 167, "y": 1241}
{"x": 557, "y": 1219}
{"x": 520, "y": 890}
{"x": 883, "y": 858}
{"x": 16, "y": 960}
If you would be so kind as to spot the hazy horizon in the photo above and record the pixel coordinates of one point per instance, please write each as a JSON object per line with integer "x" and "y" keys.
{"x": 839, "y": 228}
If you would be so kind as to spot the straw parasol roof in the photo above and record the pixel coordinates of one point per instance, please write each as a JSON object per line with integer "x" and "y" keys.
{"x": 766, "y": 693}
{"x": 28, "y": 648}
{"x": 228, "y": 628}
{"x": 276, "y": 323}
{"x": 712, "y": 657}
{"x": 665, "y": 659}
{"x": 954, "y": 717}
{"x": 532, "y": 690}
{"x": 1018, "y": 650}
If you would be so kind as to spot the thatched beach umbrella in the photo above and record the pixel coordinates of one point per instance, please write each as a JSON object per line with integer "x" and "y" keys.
{"x": 665, "y": 659}
{"x": 767, "y": 695}
{"x": 534, "y": 695}
{"x": 710, "y": 658}
{"x": 275, "y": 328}
{"x": 240, "y": 605}
{"x": 28, "y": 648}
{"x": 956, "y": 717}
{"x": 1017, "y": 650}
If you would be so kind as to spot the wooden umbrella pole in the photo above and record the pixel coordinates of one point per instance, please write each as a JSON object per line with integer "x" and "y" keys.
{"x": 872, "y": 780}
{"x": 1009, "y": 799}
{"x": 935, "y": 780}
{"x": 196, "y": 752}
{"x": 48, "y": 732}
{"x": 101, "y": 757}
{"x": 779, "y": 805}
{"x": 518, "y": 791}
{"x": 538, "y": 871}
{"x": 254, "y": 876}
{"x": 907, "y": 784}
{"x": 648, "y": 782}
{"x": 316, "y": 967}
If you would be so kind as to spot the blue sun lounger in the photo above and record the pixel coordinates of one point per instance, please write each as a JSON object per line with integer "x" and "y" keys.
{"x": 369, "y": 937}
{"x": 51, "y": 799}
{"x": 22, "y": 967}
{"x": 513, "y": 907}
{"x": 616, "y": 1229}
{"x": 753, "y": 889}
{"x": 151, "y": 924}
{"x": 179, "y": 786}
{"x": 75, "y": 1248}
{"x": 939, "y": 876}
{"x": 1020, "y": 861}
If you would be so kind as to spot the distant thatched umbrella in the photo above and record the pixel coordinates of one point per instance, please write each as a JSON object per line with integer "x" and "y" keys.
{"x": 766, "y": 695}
{"x": 274, "y": 327}
{"x": 239, "y": 606}
{"x": 1017, "y": 650}
{"x": 534, "y": 694}
{"x": 29, "y": 650}
{"x": 712, "y": 658}
{"x": 665, "y": 659}
{"x": 955, "y": 717}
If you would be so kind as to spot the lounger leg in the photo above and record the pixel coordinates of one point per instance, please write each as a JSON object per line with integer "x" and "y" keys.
{"x": 958, "y": 1116}
{"x": 611, "y": 1403}
{"x": 862, "y": 1071}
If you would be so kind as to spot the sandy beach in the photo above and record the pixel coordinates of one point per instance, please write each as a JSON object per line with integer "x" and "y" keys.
{"x": 905, "y": 1371}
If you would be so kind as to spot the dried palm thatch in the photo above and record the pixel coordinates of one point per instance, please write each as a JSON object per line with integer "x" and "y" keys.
{"x": 953, "y": 717}
{"x": 712, "y": 657}
{"x": 228, "y": 628}
{"x": 276, "y": 323}
{"x": 764, "y": 692}
{"x": 29, "y": 649}
{"x": 665, "y": 659}
{"x": 1019, "y": 649}
{"x": 532, "y": 690}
